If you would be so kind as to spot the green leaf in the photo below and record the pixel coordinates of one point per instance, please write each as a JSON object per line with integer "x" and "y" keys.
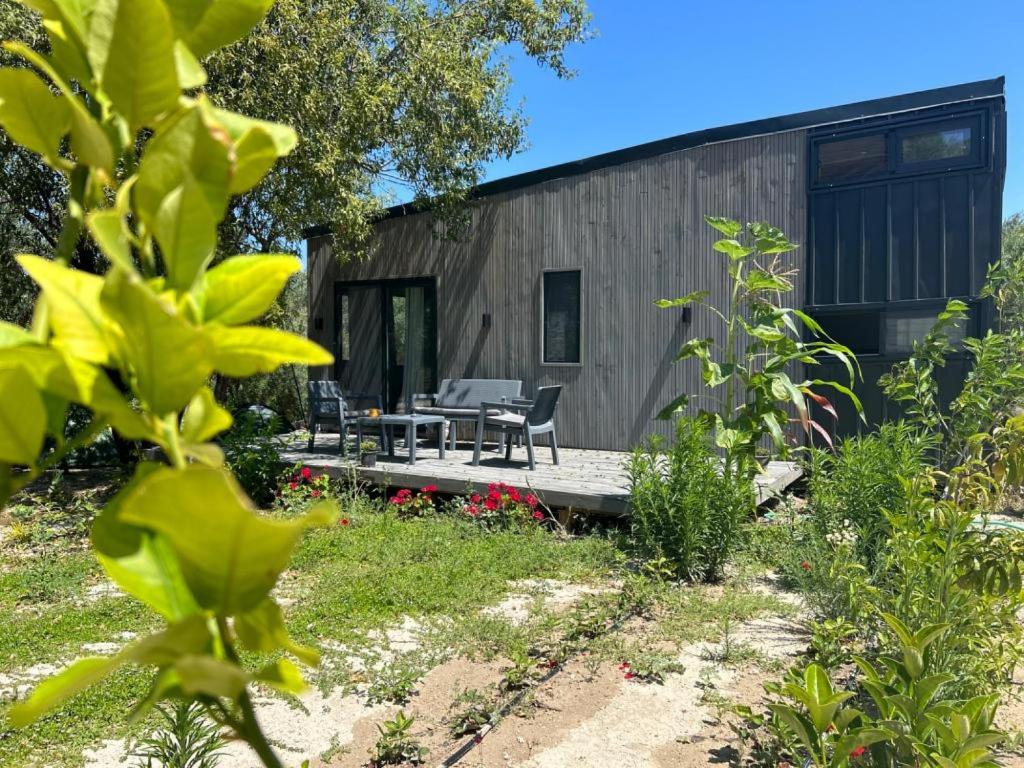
{"x": 204, "y": 419}
{"x": 22, "y": 418}
{"x": 169, "y": 359}
{"x": 186, "y": 229}
{"x": 774, "y": 428}
{"x": 138, "y": 561}
{"x": 139, "y": 71}
{"x": 230, "y": 559}
{"x": 864, "y": 737}
{"x": 88, "y": 139}
{"x": 242, "y": 288}
{"x": 189, "y": 636}
{"x": 674, "y": 408}
{"x": 108, "y": 230}
{"x": 32, "y": 115}
{"x": 74, "y": 305}
{"x": 189, "y": 159}
{"x": 206, "y": 25}
{"x": 190, "y": 72}
{"x": 263, "y": 630}
{"x": 12, "y": 335}
{"x": 249, "y": 349}
{"x": 727, "y": 227}
{"x": 284, "y": 676}
{"x": 733, "y": 249}
{"x": 798, "y": 725}
{"x": 682, "y": 301}
{"x": 206, "y": 675}
{"x": 759, "y": 280}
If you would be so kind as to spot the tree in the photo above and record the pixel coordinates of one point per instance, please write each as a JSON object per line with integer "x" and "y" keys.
{"x": 412, "y": 93}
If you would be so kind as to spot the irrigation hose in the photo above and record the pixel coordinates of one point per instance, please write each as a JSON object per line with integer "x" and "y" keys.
{"x": 501, "y": 713}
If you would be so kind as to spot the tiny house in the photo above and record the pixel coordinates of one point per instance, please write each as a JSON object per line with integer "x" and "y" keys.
{"x": 896, "y": 203}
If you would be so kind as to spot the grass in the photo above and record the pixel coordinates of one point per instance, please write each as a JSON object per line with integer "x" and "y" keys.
{"x": 346, "y": 580}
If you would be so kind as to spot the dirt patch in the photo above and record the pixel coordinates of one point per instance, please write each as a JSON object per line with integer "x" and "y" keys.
{"x": 556, "y": 596}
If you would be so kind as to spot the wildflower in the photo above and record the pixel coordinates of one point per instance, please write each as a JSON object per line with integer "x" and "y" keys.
{"x": 476, "y": 498}
{"x": 293, "y": 485}
{"x": 532, "y": 500}
{"x": 315, "y": 493}
{"x": 858, "y": 752}
{"x": 538, "y": 515}
{"x": 306, "y": 473}
{"x": 428, "y": 489}
{"x": 343, "y": 521}
{"x": 491, "y": 504}
{"x": 472, "y": 509}
{"x": 805, "y": 565}
{"x": 513, "y": 493}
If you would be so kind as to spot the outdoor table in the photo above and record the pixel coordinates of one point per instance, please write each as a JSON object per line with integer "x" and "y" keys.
{"x": 411, "y": 422}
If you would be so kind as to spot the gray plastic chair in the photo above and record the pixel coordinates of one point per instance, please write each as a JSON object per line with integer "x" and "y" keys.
{"x": 329, "y": 405}
{"x": 536, "y": 417}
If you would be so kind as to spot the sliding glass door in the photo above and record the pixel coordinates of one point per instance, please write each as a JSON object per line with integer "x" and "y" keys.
{"x": 386, "y": 338}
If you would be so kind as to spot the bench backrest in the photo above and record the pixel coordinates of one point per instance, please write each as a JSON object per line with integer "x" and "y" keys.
{"x": 469, "y": 393}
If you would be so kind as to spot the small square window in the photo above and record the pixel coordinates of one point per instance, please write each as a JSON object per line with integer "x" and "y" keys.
{"x": 849, "y": 159}
{"x": 904, "y": 329}
{"x": 936, "y": 145}
{"x": 561, "y": 337}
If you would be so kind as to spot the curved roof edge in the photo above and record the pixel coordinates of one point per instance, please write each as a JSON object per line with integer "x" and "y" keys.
{"x": 858, "y": 110}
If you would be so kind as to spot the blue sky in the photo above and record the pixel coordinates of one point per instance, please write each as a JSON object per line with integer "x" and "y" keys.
{"x": 664, "y": 67}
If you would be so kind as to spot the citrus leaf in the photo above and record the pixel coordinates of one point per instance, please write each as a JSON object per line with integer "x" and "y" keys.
{"x": 242, "y": 288}
{"x": 22, "y": 418}
{"x": 32, "y": 115}
{"x": 204, "y": 419}
{"x": 249, "y": 349}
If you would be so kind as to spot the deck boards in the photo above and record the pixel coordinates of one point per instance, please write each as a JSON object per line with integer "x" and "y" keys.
{"x": 584, "y": 480}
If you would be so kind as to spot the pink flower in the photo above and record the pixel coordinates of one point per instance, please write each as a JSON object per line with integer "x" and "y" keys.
{"x": 315, "y": 493}
{"x": 472, "y": 509}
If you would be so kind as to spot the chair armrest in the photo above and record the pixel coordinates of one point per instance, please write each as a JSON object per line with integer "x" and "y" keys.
{"x": 422, "y": 396}
{"x": 520, "y": 401}
{"x": 485, "y": 405}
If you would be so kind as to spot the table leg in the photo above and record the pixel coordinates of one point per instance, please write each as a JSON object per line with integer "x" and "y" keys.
{"x": 440, "y": 438}
{"x": 410, "y": 438}
{"x": 390, "y": 439}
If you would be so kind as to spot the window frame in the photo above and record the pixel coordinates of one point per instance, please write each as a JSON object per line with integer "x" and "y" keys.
{"x": 977, "y": 120}
{"x": 973, "y": 122}
{"x": 582, "y": 303}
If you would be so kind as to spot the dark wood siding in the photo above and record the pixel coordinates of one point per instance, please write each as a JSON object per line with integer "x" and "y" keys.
{"x": 637, "y": 233}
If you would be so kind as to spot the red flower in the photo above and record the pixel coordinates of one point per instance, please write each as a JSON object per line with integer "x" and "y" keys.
{"x": 315, "y": 493}
{"x": 472, "y": 509}
{"x": 476, "y": 498}
{"x": 306, "y": 473}
{"x": 343, "y": 521}
{"x": 858, "y": 752}
{"x": 629, "y": 676}
{"x": 531, "y": 500}
{"x": 293, "y": 485}
{"x": 805, "y": 565}
{"x": 491, "y": 504}
{"x": 538, "y": 515}
{"x": 624, "y": 665}
{"x": 513, "y": 493}
{"x": 429, "y": 489}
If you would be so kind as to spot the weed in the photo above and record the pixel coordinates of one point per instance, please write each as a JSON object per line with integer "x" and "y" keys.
{"x": 395, "y": 683}
{"x": 185, "y": 739}
{"x": 472, "y": 710}
{"x": 395, "y": 746}
{"x": 649, "y": 666}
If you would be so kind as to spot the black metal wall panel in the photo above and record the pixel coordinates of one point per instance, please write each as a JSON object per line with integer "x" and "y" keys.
{"x": 848, "y": 245}
{"x": 902, "y": 250}
{"x": 876, "y": 243}
{"x": 956, "y": 215}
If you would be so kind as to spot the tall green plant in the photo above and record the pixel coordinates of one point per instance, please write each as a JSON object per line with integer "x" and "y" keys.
{"x": 764, "y": 343}
{"x": 151, "y": 170}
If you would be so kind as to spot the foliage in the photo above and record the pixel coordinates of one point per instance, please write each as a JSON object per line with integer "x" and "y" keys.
{"x": 186, "y": 739}
{"x": 854, "y": 488}
{"x": 368, "y": 446}
{"x": 250, "y": 452}
{"x": 683, "y": 508}
{"x": 367, "y": 84}
{"x": 503, "y": 506}
{"x": 303, "y": 489}
{"x": 395, "y": 745}
{"x": 395, "y": 683}
{"x": 409, "y": 504}
{"x": 472, "y": 710}
{"x": 650, "y": 666}
{"x": 763, "y": 345}
{"x": 150, "y": 171}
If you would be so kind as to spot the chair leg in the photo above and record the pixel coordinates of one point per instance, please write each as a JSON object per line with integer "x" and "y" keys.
{"x": 342, "y": 442}
{"x": 479, "y": 441}
{"x": 554, "y": 447}
{"x": 452, "y": 432}
{"x": 529, "y": 449}
{"x": 440, "y": 440}
{"x": 410, "y": 441}
{"x": 312, "y": 433}
{"x": 508, "y": 446}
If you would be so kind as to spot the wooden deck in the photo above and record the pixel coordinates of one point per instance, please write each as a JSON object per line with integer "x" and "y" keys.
{"x": 584, "y": 480}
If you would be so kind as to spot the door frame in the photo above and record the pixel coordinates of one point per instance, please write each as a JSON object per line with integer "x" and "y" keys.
{"x": 385, "y": 285}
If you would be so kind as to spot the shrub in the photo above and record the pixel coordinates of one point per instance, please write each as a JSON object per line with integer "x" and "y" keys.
{"x": 409, "y": 504}
{"x": 303, "y": 489}
{"x": 504, "y": 506}
{"x": 185, "y": 739}
{"x": 250, "y": 451}
{"x": 684, "y": 509}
